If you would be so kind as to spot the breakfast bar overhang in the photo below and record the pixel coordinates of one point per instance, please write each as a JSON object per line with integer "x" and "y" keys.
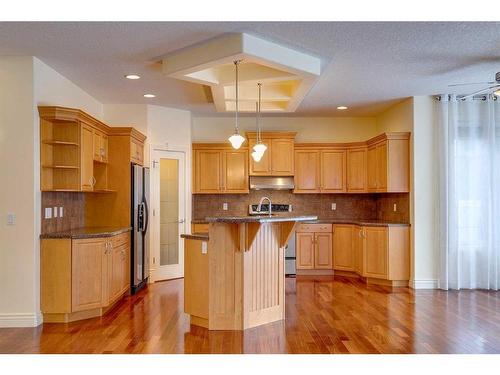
{"x": 234, "y": 276}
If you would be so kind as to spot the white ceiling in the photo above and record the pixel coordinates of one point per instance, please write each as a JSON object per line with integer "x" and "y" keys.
{"x": 367, "y": 66}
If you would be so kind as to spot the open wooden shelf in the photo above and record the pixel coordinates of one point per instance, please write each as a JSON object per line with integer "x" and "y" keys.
{"x": 60, "y": 143}
{"x": 60, "y": 166}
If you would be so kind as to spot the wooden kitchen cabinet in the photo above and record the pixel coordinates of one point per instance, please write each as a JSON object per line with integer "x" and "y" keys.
{"x": 386, "y": 253}
{"x": 320, "y": 171}
{"x": 314, "y": 246}
{"x": 137, "y": 152}
{"x": 323, "y": 251}
{"x": 282, "y": 163}
{"x": 333, "y": 171}
{"x": 357, "y": 248}
{"x": 305, "y": 251}
{"x": 87, "y": 158}
{"x": 343, "y": 247}
{"x": 100, "y": 147}
{"x": 375, "y": 252}
{"x": 389, "y": 163}
{"x": 278, "y": 160}
{"x": 82, "y": 278}
{"x": 219, "y": 169}
{"x": 74, "y": 151}
{"x": 307, "y": 171}
{"x": 357, "y": 170}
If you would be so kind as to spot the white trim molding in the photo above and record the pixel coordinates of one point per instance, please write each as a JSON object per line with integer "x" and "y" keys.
{"x": 20, "y": 320}
{"x": 424, "y": 284}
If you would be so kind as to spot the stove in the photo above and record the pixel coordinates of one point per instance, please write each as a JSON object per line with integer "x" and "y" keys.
{"x": 275, "y": 209}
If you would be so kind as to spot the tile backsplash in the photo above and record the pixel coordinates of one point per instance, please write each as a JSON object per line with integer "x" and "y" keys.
{"x": 349, "y": 206}
{"x": 73, "y": 211}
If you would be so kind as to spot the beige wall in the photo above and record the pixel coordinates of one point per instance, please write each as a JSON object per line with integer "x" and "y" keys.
{"x": 19, "y": 302}
{"x": 309, "y": 129}
{"x": 416, "y": 115}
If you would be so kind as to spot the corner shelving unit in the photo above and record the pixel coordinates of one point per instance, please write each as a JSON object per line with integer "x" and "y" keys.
{"x": 60, "y": 155}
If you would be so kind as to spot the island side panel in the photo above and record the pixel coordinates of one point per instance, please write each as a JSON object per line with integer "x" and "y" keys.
{"x": 225, "y": 277}
{"x": 196, "y": 282}
{"x": 264, "y": 275}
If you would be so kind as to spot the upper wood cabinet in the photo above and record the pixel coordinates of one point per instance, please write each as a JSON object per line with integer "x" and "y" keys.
{"x": 218, "y": 168}
{"x": 320, "y": 171}
{"x": 278, "y": 160}
{"x": 333, "y": 171}
{"x": 388, "y": 163}
{"x": 307, "y": 171}
{"x": 357, "y": 170}
{"x": 74, "y": 150}
{"x": 137, "y": 151}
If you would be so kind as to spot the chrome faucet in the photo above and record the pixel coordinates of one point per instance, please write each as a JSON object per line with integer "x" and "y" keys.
{"x": 260, "y": 204}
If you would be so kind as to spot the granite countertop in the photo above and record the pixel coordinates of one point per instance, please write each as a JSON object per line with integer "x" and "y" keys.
{"x": 382, "y": 223}
{"x": 259, "y": 219}
{"x": 91, "y": 232}
{"x": 195, "y": 236}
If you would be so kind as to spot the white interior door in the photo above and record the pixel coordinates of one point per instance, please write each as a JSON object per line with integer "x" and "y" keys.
{"x": 169, "y": 214}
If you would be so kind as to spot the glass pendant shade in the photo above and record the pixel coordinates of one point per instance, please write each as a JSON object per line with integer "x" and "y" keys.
{"x": 497, "y": 93}
{"x": 256, "y": 156}
{"x": 260, "y": 148}
{"x": 236, "y": 140}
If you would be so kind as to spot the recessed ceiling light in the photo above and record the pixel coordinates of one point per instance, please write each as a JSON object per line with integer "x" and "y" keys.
{"x": 149, "y": 95}
{"x": 342, "y": 107}
{"x": 132, "y": 76}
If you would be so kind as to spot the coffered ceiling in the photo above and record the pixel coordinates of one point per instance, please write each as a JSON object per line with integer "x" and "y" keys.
{"x": 365, "y": 66}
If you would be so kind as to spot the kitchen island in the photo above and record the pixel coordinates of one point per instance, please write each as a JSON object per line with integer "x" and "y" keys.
{"x": 234, "y": 275}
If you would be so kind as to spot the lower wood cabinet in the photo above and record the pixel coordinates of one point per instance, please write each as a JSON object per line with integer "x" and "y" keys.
{"x": 373, "y": 252}
{"x": 343, "y": 249}
{"x": 314, "y": 246}
{"x": 80, "y": 278}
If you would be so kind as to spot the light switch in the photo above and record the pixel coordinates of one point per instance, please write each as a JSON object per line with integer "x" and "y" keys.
{"x": 55, "y": 211}
{"x": 204, "y": 247}
{"x": 60, "y": 212}
{"x": 334, "y": 206}
{"x": 11, "y": 218}
{"x": 224, "y": 206}
{"x": 395, "y": 207}
{"x": 48, "y": 212}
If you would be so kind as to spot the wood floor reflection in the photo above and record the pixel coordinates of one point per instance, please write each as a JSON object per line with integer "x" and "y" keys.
{"x": 324, "y": 315}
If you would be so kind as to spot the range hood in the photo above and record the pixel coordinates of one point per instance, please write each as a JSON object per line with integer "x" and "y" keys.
{"x": 271, "y": 183}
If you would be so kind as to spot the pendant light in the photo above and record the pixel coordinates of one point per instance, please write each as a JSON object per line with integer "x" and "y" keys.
{"x": 260, "y": 148}
{"x": 236, "y": 139}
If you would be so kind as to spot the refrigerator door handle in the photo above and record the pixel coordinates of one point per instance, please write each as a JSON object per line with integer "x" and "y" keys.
{"x": 145, "y": 218}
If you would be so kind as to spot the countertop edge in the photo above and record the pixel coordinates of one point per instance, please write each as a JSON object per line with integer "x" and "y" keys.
{"x": 74, "y": 234}
{"x": 260, "y": 219}
{"x": 195, "y": 236}
{"x": 334, "y": 221}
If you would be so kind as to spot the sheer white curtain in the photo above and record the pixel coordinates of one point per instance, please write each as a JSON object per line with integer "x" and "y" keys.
{"x": 469, "y": 188}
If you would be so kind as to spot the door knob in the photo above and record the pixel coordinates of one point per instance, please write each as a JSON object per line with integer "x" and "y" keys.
{"x": 181, "y": 221}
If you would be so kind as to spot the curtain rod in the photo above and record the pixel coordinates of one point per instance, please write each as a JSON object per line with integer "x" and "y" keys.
{"x": 478, "y": 97}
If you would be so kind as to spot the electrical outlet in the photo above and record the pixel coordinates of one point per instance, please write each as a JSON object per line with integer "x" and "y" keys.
{"x": 204, "y": 247}
{"x": 11, "y": 218}
{"x": 48, "y": 212}
{"x": 55, "y": 211}
{"x": 224, "y": 206}
{"x": 334, "y": 206}
{"x": 60, "y": 212}
{"x": 395, "y": 207}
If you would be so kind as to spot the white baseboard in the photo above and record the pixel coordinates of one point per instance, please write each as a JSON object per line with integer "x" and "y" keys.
{"x": 20, "y": 320}
{"x": 424, "y": 284}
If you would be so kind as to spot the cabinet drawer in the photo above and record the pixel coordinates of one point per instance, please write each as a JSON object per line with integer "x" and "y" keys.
{"x": 199, "y": 228}
{"x": 314, "y": 228}
{"x": 120, "y": 239}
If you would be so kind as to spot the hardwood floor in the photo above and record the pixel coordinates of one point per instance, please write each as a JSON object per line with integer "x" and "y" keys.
{"x": 324, "y": 315}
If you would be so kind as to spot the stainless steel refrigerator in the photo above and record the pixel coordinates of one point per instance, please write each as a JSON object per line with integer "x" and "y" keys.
{"x": 140, "y": 220}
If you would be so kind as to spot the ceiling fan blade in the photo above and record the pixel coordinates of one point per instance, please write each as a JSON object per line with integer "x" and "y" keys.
{"x": 479, "y": 92}
{"x": 472, "y": 83}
